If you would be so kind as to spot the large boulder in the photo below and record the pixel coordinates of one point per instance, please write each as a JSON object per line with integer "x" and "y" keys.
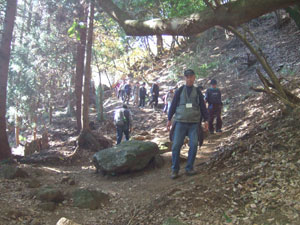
{"x": 127, "y": 157}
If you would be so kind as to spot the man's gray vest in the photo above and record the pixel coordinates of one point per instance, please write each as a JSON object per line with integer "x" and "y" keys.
{"x": 188, "y": 115}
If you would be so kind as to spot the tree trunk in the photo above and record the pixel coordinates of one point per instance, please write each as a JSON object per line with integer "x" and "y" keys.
{"x": 107, "y": 77}
{"x": 29, "y": 20}
{"x": 159, "y": 44}
{"x": 87, "y": 80}
{"x": 71, "y": 95}
{"x": 100, "y": 111}
{"x": 34, "y": 127}
{"x": 172, "y": 47}
{"x": 159, "y": 38}
{"x": 23, "y": 23}
{"x": 50, "y": 113}
{"x": 150, "y": 53}
{"x": 80, "y": 66}
{"x": 5, "y": 45}
{"x": 232, "y": 13}
{"x": 99, "y": 98}
{"x": 71, "y": 102}
{"x": 17, "y": 129}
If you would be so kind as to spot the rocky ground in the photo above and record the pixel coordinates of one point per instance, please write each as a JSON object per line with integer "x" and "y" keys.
{"x": 247, "y": 175}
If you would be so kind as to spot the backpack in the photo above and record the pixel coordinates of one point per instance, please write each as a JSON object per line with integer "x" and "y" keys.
{"x": 120, "y": 118}
{"x": 127, "y": 88}
{"x": 214, "y": 96}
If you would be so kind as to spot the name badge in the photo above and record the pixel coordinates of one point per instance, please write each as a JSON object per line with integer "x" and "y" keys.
{"x": 189, "y": 105}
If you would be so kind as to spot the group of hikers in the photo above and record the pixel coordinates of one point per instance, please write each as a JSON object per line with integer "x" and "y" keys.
{"x": 186, "y": 106}
{"x": 128, "y": 90}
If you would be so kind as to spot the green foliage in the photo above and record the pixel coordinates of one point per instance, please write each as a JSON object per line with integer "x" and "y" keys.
{"x": 149, "y": 9}
{"x": 41, "y": 61}
{"x": 191, "y": 61}
{"x": 177, "y": 8}
{"x": 115, "y": 52}
{"x": 287, "y": 71}
{"x": 73, "y": 30}
{"x": 206, "y": 67}
{"x": 295, "y": 14}
{"x": 174, "y": 75}
{"x": 227, "y": 218}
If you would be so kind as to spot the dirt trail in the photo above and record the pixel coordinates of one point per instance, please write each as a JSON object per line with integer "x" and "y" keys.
{"x": 151, "y": 182}
{"x": 139, "y": 189}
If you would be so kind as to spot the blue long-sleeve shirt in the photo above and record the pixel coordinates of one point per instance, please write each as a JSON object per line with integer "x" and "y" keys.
{"x": 176, "y": 99}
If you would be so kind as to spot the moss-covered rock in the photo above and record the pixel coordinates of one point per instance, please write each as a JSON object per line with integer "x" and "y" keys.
{"x": 127, "y": 157}
{"x": 50, "y": 194}
{"x": 12, "y": 172}
{"x": 90, "y": 199}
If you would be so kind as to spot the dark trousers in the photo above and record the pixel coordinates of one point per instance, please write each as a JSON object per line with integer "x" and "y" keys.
{"x": 120, "y": 131}
{"x": 126, "y": 97}
{"x": 142, "y": 101}
{"x": 214, "y": 112}
{"x": 121, "y": 94}
{"x": 155, "y": 100}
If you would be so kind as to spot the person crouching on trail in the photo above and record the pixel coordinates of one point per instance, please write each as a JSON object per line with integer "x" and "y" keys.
{"x": 188, "y": 106}
{"x": 123, "y": 122}
{"x": 214, "y": 100}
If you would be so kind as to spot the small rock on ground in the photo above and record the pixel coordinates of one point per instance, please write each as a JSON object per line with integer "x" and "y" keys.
{"x": 65, "y": 221}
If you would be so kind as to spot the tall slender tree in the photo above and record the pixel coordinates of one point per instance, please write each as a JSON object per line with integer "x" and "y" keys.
{"x": 5, "y": 49}
{"x": 80, "y": 63}
{"x": 87, "y": 78}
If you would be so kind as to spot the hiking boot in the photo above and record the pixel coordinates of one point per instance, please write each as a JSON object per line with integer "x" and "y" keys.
{"x": 174, "y": 175}
{"x": 219, "y": 131}
{"x": 190, "y": 172}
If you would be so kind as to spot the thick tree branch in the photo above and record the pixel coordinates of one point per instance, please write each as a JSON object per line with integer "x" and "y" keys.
{"x": 232, "y": 14}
